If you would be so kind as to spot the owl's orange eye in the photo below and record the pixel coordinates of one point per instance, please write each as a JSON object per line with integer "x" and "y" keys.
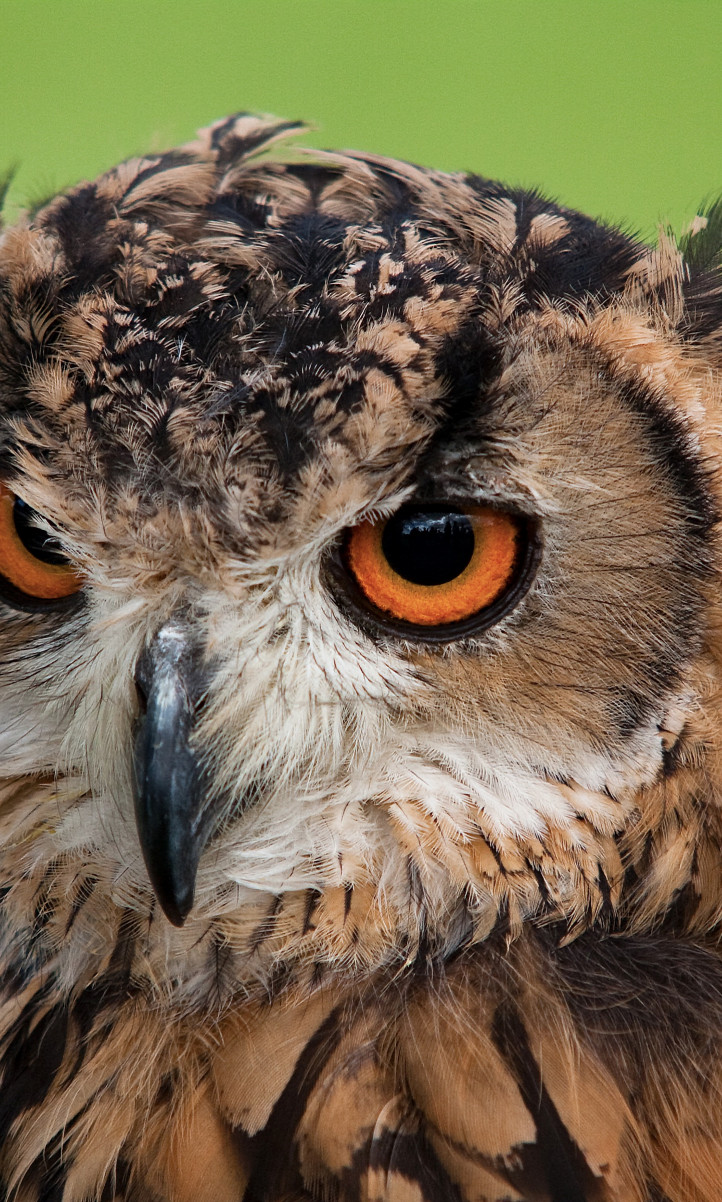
{"x": 436, "y": 565}
{"x": 31, "y": 562}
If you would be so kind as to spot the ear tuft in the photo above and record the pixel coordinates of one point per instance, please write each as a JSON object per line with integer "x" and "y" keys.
{"x": 701, "y": 242}
{"x": 701, "y": 248}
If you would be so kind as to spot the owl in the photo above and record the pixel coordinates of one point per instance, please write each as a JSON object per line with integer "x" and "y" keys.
{"x": 360, "y": 690}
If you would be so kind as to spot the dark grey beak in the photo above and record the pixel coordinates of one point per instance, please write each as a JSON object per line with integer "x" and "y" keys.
{"x": 173, "y": 823}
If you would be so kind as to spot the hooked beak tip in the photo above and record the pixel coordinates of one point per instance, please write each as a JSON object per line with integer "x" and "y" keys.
{"x": 169, "y": 782}
{"x": 176, "y": 909}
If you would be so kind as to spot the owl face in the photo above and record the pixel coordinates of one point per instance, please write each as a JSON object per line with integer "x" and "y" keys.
{"x": 356, "y": 543}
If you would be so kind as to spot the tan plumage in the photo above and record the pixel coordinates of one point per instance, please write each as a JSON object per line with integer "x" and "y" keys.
{"x": 306, "y": 896}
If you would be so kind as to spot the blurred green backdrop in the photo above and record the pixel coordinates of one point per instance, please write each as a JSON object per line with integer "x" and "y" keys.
{"x": 612, "y": 106}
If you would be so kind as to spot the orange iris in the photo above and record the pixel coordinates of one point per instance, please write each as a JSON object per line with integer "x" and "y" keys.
{"x": 485, "y": 572}
{"x": 22, "y": 569}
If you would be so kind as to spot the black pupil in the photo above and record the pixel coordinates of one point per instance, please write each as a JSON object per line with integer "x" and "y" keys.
{"x": 428, "y": 545}
{"x": 35, "y": 540}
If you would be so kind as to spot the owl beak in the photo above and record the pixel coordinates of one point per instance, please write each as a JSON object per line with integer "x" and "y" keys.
{"x": 173, "y": 824}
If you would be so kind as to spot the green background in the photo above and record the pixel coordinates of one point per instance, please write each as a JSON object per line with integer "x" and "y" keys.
{"x": 612, "y": 107}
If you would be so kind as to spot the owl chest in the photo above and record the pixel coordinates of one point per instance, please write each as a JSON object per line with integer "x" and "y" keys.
{"x": 518, "y": 1072}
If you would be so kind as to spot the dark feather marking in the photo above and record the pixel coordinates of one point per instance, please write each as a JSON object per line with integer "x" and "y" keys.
{"x": 702, "y": 286}
{"x": 51, "y": 1171}
{"x": 674, "y": 757}
{"x": 265, "y": 927}
{"x": 164, "y": 162}
{"x": 31, "y": 1061}
{"x": 232, "y": 146}
{"x": 543, "y": 887}
{"x": 468, "y": 363}
{"x": 53, "y": 1186}
{"x": 411, "y": 1157}
{"x": 682, "y": 906}
{"x": 307, "y": 249}
{"x": 313, "y": 897}
{"x": 83, "y": 893}
{"x": 659, "y": 993}
{"x": 222, "y": 958}
{"x": 83, "y": 222}
{"x": 591, "y": 259}
{"x": 110, "y": 990}
{"x": 669, "y": 439}
{"x": 118, "y": 1182}
{"x": 605, "y": 890}
{"x": 555, "y": 1155}
{"x": 703, "y": 251}
{"x": 276, "y": 1168}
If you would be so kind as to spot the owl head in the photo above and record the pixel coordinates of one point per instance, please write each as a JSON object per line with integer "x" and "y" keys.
{"x": 358, "y": 556}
